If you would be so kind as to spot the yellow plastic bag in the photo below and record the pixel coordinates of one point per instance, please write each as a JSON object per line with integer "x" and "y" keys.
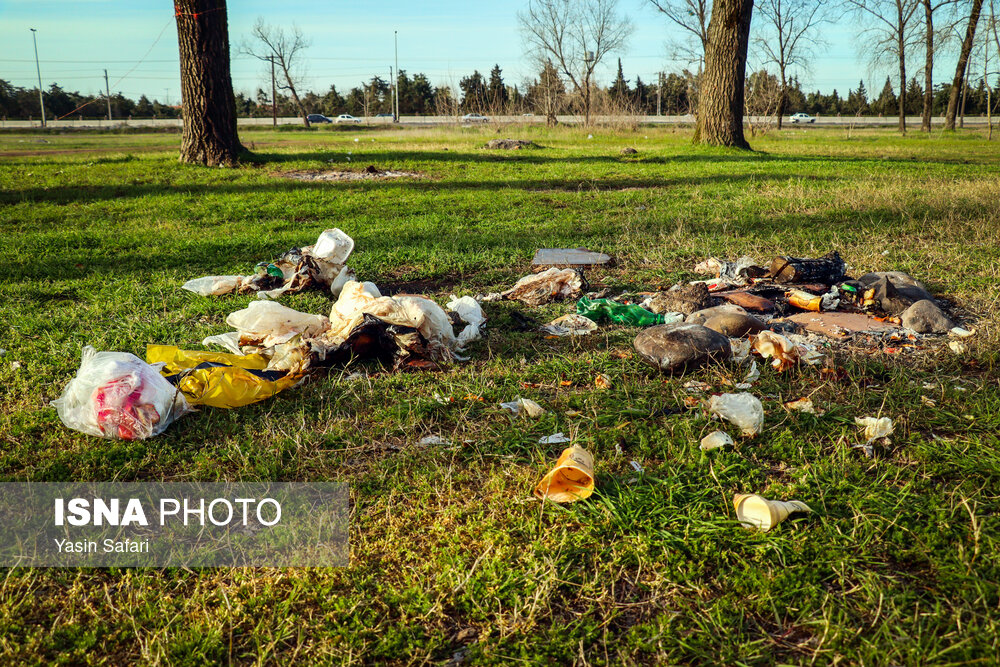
{"x": 571, "y": 479}
{"x": 219, "y": 379}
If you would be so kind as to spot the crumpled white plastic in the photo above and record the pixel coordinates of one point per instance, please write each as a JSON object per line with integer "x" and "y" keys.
{"x": 268, "y": 323}
{"x": 417, "y": 312}
{"x": 744, "y": 410}
{"x": 875, "y": 427}
{"x": 470, "y": 312}
{"x": 524, "y": 406}
{"x": 213, "y": 285}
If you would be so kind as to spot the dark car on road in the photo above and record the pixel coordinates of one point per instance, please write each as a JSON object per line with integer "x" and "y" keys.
{"x": 318, "y": 118}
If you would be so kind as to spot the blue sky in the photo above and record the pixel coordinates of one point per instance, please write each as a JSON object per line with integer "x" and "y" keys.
{"x": 350, "y": 41}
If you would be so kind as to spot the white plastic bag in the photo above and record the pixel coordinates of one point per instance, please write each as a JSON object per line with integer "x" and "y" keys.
{"x": 743, "y": 410}
{"x": 268, "y": 323}
{"x": 470, "y": 312}
{"x": 119, "y": 396}
{"x": 213, "y": 285}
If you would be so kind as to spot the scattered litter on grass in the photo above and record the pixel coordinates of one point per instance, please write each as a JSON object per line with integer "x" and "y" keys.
{"x": 433, "y": 440}
{"x": 602, "y": 381}
{"x": 743, "y": 410}
{"x": 221, "y": 380}
{"x": 550, "y": 285}
{"x": 697, "y": 387}
{"x": 929, "y": 402}
{"x": 571, "y": 479}
{"x": 636, "y": 466}
{"x": 875, "y": 427}
{"x": 715, "y": 440}
{"x": 471, "y": 313}
{"x": 959, "y": 332}
{"x": 759, "y": 512}
{"x": 570, "y": 325}
{"x": 805, "y": 405}
{"x": 524, "y": 406}
{"x": 784, "y": 352}
{"x": 322, "y": 265}
{"x": 117, "y": 395}
{"x": 958, "y": 347}
{"x": 554, "y": 439}
{"x": 601, "y": 310}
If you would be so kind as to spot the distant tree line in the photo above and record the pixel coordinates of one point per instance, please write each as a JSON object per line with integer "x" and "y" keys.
{"x": 676, "y": 93}
{"x": 22, "y": 103}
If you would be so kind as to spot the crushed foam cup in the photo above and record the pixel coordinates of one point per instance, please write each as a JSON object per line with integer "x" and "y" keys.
{"x": 759, "y": 512}
{"x": 571, "y": 479}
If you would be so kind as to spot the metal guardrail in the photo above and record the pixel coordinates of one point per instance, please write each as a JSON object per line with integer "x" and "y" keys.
{"x": 821, "y": 121}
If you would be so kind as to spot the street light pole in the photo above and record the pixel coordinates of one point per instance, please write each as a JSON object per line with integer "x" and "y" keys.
{"x": 41, "y": 100}
{"x": 395, "y": 41}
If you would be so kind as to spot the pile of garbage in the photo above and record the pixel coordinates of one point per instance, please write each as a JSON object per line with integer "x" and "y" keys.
{"x": 322, "y": 266}
{"x": 789, "y": 313}
{"x": 272, "y": 348}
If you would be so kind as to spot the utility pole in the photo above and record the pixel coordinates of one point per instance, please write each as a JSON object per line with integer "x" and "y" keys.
{"x": 274, "y": 95}
{"x": 392, "y": 96}
{"x": 395, "y": 42}
{"x": 41, "y": 100}
{"x": 659, "y": 87}
{"x": 107, "y": 90}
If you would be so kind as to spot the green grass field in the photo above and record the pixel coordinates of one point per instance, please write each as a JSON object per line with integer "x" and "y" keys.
{"x": 452, "y": 559}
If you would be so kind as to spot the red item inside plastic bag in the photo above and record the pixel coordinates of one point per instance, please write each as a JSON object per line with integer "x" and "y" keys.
{"x": 119, "y": 410}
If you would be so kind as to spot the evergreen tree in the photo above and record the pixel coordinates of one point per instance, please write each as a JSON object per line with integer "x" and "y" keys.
{"x": 619, "y": 89}
{"x": 496, "y": 91}
{"x": 474, "y": 93}
{"x": 887, "y": 102}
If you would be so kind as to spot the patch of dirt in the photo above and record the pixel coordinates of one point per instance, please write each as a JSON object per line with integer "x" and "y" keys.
{"x": 369, "y": 173}
{"x": 510, "y": 144}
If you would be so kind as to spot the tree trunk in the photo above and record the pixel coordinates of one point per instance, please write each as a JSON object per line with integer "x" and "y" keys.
{"x": 295, "y": 96}
{"x": 720, "y": 104}
{"x": 783, "y": 98}
{"x": 207, "y": 100}
{"x": 925, "y": 120}
{"x": 963, "y": 60}
{"x": 901, "y": 45}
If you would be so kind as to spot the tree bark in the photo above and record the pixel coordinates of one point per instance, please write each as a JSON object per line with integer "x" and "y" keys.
{"x": 783, "y": 99}
{"x": 925, "y": 119}
{"x": 963, "y": 61}
{"x": 720, "y": 105}
{"x": 901, "y": 45}
{"x": 209, "y": 106}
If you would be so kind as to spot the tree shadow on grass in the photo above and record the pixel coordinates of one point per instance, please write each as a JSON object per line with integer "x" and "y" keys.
{"x": 95, "y": 193}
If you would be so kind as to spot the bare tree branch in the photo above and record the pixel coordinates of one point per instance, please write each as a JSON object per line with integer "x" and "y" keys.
{"x": 575, "y": 35}
{"x": 272, "y": 44}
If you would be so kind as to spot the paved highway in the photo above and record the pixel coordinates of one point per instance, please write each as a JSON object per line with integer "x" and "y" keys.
{"x": 821, "y": 121}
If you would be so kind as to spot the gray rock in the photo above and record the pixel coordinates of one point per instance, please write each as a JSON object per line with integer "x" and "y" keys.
{"x": 925, "y": 317}
{"x": 677, "y": 347}
{"x": 682, "y": 299}
{"x": 897, "y": 278}
{"x": 734, "y": 325}
{"x": 893, "y": 299}
{"x": 702, "y": 316}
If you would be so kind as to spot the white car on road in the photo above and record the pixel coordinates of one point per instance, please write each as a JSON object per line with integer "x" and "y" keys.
{"x": 348, "y": 118}
{"x": 803, "y": 118}
{"x": 474, "y": 118}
